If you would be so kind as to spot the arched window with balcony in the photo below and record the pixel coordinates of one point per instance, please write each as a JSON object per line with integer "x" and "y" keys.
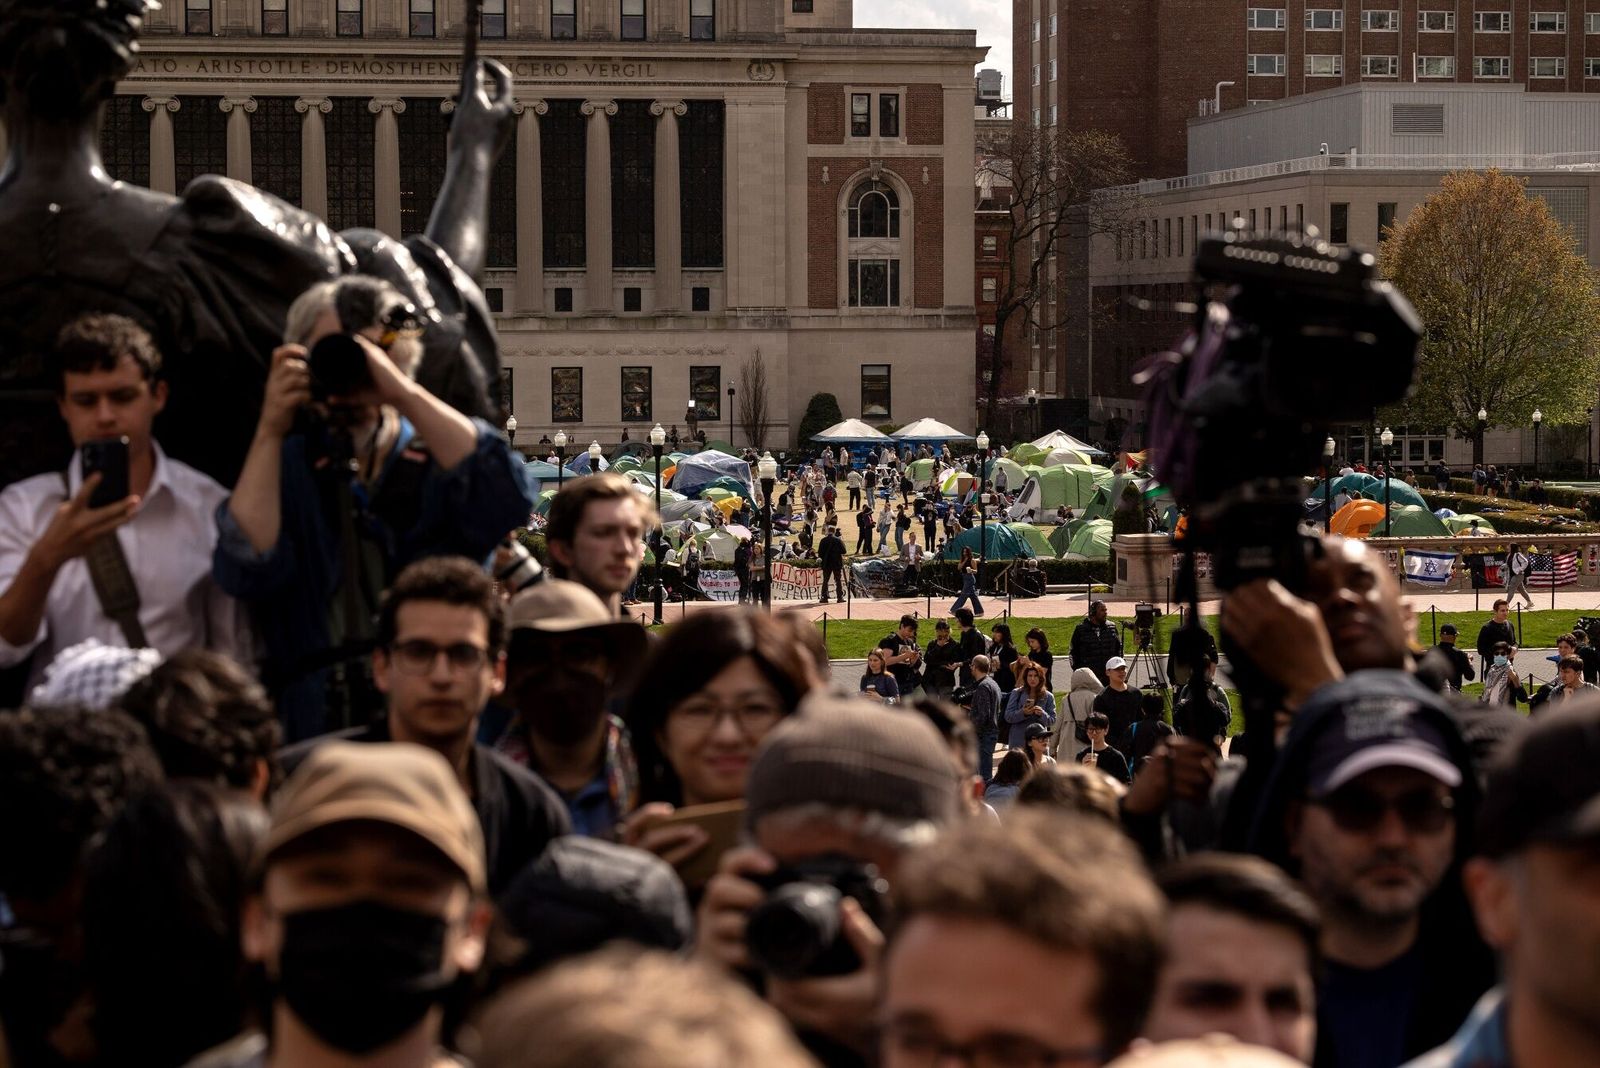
{"x": 873, "y": 254}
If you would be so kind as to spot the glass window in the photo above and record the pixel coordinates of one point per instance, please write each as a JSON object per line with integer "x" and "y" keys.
{"x": 1339, "y": 224}
{"x": 1591, "y": 68}
{"x": 1325, "y": 66}
{"x": 1436, "y": 67}
{"x": 1052, "y": 25}
{"x": 632, "y": 299}
{"x": 1324, "y": 19}
{"x": 275, "y": 147}
{"x": 875, "y": 391}
{"x": 702, "y": 20}
{"x": 860, "y": 114}
{"x": 562, "y": 137}
{"x": 502, "y": 250}
{"x": 1380, "y": 20}
{"x": 197, "y": 16}
{"x": 348, "y": 18}
{"x": 1380, "y": 66}
{"x": 1547, "y": 22}
{"x": 1548, "y": 67}
{"x": 1386, "y": 214}
{"x": 636, "y": 394}
{"x": 563, "y": 298}
{"x": 125, "y": 140}
{"x": 422, "y": 18}
{"x": 566, "y": 394}
{"x": 1263, "y": 64}
{"x": 888, "y": 115}
{"x": 700, "y": 185}
{"x": 874, "y": 283}
{"x": 990, "y": 286}
{"x": 633, "y": 20}
{"x": 492, "y": 19}
{"x": 700, "y": 298}
{"x": 275, "y": 17}
{"x": 1591, "y": 22}
{"x": 801, "y": 7}
{"x": 352, "y": 172}
{"x": 1491, "y": 21}
{"x": 1492, "y": 67}
{"x": 1264, "y": 18}
{"x": 199, "y": 139}
{"x": 991, "y": 244}
{"x": 1035, "y": 29}
{"x": 874, "y": 211}
{"x": 705, "y": 389}
{"x": 633, "y": 174}
{"x": 564, "y": 20}
{"x": 423, "y": 132}
{"x": 1437, "y": 21}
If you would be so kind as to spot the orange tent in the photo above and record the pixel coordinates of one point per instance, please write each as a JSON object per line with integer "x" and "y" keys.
{"x": 1358, "y": 518}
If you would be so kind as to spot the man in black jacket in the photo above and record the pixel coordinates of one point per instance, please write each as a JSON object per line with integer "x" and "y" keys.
{"x": 831, "y": 552}
{"x": 1095, "y": 641}
{"x": 972, "y": 642}
{"x": 1460, "y": 663}
{"x": 1497, "y": 630}
{"x": 864, "y": 530}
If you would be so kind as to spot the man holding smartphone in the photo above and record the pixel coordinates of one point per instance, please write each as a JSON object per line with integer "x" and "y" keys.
{"x": 109, "y": 392}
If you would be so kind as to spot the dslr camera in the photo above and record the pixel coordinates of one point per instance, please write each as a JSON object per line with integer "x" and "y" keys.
{"x": 795, "y": 932}
{"x": 338, "y": 363}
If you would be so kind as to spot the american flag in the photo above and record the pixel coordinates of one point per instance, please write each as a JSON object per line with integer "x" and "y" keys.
{"x": 1560, "y": 569}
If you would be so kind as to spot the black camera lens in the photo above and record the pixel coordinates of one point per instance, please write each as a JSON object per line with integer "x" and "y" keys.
{"x": 795, "y": 932}
{"x": 338, "y": 367}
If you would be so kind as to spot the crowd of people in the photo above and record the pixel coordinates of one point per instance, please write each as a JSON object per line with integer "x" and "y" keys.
{"x": 338, "y": 775}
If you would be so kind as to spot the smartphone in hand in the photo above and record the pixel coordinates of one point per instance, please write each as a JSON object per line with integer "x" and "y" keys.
{"x": 109, "y": 458}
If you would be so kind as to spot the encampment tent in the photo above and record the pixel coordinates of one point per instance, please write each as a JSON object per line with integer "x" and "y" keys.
{"x": 717, "y": 545}
{"x": 1037, "y": 537}
{"x": 930, "y": 431}
{"x": 1091, "y": 541}
{"x": 717, "y": 445}
{"x": 850, "y": 432}
{"x": 1461, "y": 524}
{"x": 1059, "y": 439}
{"x": 580, "y": 463}
{"x": 1399, "y": 493}
{"x": 1057, "y": 457}
{"x": 1003, "y": 542}
{"x": 1048, "y": 488}
{"x": 695, "y": 473}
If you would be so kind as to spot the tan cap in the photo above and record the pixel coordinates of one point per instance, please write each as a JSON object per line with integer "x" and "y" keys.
{"x": 559, "y": 606}
{"x": 396, "y": 783}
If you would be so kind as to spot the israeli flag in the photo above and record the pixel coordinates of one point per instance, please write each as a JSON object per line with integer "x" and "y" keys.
{"x": 1429, "y": 569}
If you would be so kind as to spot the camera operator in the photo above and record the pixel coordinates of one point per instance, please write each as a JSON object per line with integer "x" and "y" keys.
{"x": 835, "y": 798}
{"x": 54, "y": 540}
{"x": 355, "y": 470}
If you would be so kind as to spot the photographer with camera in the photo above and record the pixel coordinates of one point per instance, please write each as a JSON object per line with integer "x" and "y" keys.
{"x": 355, "y": 471}
{"x": 835, "y": 799}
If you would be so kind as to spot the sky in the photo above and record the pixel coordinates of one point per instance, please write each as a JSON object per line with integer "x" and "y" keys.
{"x": 991, "y": 18}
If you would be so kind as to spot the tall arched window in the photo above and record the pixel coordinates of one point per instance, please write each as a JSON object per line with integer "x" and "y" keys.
{"x": 874, "y": 253}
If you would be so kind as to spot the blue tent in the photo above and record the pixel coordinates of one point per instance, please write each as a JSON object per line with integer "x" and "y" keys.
{"x": 1003, "y": 542}
{"x": 580, "y": 462}
{"x": 696, "y": 472}
{"x": 541, "y": 471}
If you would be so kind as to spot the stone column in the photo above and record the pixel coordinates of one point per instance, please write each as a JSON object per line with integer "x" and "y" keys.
{"x": 238, "y": 109}
{"x": 597, "y": 201}
{"x": 386, "y": 147}
{"x": 313, "y": 154}
{"x": 669, "y": 217}
{"x": 530, "y": 208}
{"x": 163, "y": 164}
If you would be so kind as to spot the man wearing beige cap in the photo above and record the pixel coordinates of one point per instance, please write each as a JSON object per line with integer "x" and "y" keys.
{"x": 441, "y": 633}
{"x": 568, "y": 660}
{"x": 370, "y": 907}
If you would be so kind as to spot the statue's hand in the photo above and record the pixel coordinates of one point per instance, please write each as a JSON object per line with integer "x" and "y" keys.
{"x": 484, "y": 117}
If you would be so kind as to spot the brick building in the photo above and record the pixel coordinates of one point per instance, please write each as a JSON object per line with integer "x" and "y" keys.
{"x": 691, "y": 184}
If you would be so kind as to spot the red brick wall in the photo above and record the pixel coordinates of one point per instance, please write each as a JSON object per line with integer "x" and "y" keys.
{"x": 822, "y": 227}
{"x": 925, "y": 115}
{"x": 825, "y": 114}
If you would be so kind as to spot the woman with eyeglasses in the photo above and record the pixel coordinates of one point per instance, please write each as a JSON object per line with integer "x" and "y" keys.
{"x": 708, "y": 694}
{"x": 877, "y": 684}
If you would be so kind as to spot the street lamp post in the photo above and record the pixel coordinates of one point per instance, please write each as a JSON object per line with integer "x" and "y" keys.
{"x": 1588, "y": 441}
{"x": 983, "y": 507}
{"x": 1538, "y": 421}
{"x": 561, "y": 458}
{"x": 767, "y": 471}
{"x": 1387, "y": 438}
{"x": 1483, "y": 425}
{"x": 691, "y": 417}
{"x": 1327, "y": 485}
{"x": 594, "y": 457}
{"x": 983, "y": 459}
{"x": 658, "y": 438}
{"x": 1033, "y": 411}
{"x": 511, "y": 431}
{"x": 730, "y": 417}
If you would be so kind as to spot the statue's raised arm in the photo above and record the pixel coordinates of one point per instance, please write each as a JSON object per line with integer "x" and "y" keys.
{"x": 210, "y": 273}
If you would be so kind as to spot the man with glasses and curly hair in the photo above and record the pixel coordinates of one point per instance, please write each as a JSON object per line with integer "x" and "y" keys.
{"x": 440, "y": 657}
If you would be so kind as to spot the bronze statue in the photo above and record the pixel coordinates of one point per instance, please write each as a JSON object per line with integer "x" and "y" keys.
{"x": 210, "y": 273}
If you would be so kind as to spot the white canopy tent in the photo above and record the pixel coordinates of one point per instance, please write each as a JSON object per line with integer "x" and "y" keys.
{"x": 851, "y": 431}
{"x": 929, "y": 430}
{"x": 1058, "y": 439}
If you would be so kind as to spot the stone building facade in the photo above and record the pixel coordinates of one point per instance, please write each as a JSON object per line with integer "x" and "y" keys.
{"x": 692, "y": 187}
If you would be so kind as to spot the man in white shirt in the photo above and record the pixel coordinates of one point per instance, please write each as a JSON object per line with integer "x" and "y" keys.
{"x": 110, "y": 388}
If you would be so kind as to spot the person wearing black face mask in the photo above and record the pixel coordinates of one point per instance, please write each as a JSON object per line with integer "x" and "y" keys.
{"x": 369, "y": 911}
{"x": 565, "y": 666}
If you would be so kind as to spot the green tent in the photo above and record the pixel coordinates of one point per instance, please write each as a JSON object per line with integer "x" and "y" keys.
{"x": 1091, "y": 541}
{"x": 1410, "y": 521}
{"x": 920, "y": 470}
{"x": 1027, "y": 454}
{"x": 1153, "y": 494}
{"x": 1015, "y": 475}
{"x": 542, "y": 506}
{"x": 732, "y": 485}
{"x": 1003, "y": 542}
{"x": 1399, "y": 493}
{"x": 1460, "y": 524}
{"x": 717, "y": 493}
{"x": 631, "y": 463}
{"x": 1049, "y": 488}
{"x": 720, "y": 446}
{"x": 954, "y": 483}
{"x": 1037, "y": 537}
{"x": 1355, "y": 483}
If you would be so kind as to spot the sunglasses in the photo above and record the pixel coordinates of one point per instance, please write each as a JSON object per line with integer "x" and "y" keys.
{"x": 1423, "y": 811}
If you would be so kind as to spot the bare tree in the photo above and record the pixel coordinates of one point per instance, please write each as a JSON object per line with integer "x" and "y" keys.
{"x": 754, "y": 415}
{"x": 1064, "y": 183}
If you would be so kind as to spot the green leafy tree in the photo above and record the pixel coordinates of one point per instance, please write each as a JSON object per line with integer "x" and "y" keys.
{"x": 821, "y": 413}
{"x": 1510, "y": 310}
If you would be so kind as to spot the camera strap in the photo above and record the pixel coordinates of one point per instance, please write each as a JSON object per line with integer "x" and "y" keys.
{"x": 114, "y": 586}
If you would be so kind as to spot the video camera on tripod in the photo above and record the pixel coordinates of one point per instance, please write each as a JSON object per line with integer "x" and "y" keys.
{"x": 1144, "y": 624}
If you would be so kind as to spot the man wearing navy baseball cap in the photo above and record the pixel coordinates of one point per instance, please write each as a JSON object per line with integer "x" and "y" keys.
{"x": 1370, "y": 805}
